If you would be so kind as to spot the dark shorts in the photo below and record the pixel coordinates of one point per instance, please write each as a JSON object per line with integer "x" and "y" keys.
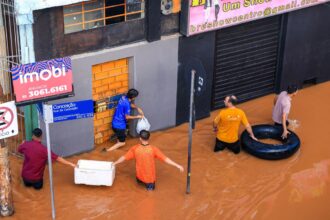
{"x": 149, "y": 186}
{"x": 120, "y": 133}
{"x": 220, "y": 145}
{"x": 35, "y": 184}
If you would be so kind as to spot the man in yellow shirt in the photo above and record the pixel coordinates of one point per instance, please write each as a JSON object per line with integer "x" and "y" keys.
{"x": 227, "y": 123}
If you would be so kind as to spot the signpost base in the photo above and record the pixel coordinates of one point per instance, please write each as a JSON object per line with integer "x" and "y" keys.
{"x": 6, "y": 199}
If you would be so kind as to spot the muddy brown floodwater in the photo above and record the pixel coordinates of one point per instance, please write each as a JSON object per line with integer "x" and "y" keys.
{"x": 224, "y": 186}
{"x": 270, "y": 141}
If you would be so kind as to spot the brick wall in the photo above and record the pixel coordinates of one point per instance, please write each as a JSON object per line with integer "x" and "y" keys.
{"x": 109, "y": 79}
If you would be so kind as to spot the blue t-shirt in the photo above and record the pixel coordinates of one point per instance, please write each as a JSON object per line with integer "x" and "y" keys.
{"x": 123, "y": 108}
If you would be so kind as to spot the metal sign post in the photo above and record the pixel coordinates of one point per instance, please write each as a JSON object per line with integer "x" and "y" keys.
{"x": 191, "y": 125}
{"x": 47, "y": 110}
{"x": 58, "y": 113}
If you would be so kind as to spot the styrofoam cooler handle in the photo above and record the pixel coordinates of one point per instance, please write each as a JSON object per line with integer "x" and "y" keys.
{"x": 85, "y": 171}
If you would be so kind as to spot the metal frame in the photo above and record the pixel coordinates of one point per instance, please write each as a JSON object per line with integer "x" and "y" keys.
{"x": 104, "y": 18}
{"x": 10, "y": 57}
{"x": 281, "y": 48}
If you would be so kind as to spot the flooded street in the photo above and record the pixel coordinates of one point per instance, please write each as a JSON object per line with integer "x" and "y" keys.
{"x": 223, "y": 185}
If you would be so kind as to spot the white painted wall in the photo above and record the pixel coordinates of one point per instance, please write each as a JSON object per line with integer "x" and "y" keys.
{"x": 27, "y": 6}
{"x": 152, "y": 71}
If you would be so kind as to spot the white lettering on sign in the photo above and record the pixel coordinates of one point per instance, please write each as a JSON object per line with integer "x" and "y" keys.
{"x": 44, "y": 75}
{"x": 200, "y": 81}
{"x": 68, "y": 105}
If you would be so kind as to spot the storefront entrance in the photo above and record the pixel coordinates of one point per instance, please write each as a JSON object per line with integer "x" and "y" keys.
{"x": 245, "y": 60}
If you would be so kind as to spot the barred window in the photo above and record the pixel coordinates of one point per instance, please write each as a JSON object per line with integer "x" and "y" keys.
{"x": 98, "y": 13}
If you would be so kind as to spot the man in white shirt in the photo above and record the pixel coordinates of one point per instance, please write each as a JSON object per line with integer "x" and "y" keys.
{"x": 282, "y": 106}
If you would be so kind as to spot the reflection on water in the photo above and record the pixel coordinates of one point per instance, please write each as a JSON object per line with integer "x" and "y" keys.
{"x": 311, "y": 182}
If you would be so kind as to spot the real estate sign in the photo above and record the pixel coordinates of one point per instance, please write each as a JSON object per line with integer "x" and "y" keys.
{"x": 207, "y": 15}
{"x": 42, "y": 81}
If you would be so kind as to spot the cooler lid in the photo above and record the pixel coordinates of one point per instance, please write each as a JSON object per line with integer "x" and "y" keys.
{"x": 94, "y": 165}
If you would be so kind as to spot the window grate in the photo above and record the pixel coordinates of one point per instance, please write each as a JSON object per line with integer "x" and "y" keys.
{"x": 98, "y": 13}
{"x": 246, "y": 60}
{"x": 10, "y": 56}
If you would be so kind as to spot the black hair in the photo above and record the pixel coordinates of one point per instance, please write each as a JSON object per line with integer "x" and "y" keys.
{"x": 132, "y": 93}
{"x": 144, "y": 135}
{"x": 232, "y": 99}
{"x": 292, "y": 89}
{"x": 37, "y": 132}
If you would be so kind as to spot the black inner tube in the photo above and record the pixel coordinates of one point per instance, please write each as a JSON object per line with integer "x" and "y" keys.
{"x": 270, "y": 151}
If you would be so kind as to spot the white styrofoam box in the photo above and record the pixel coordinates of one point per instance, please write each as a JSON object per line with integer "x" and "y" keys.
{"x": 96, "y": 173}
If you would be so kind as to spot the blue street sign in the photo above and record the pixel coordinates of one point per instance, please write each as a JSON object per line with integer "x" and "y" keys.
{"x": 72, "y": 110}
{"x": 113, "y": 101}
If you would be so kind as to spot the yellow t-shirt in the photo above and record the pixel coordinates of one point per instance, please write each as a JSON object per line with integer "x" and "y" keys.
{"x": 228, "y": 122}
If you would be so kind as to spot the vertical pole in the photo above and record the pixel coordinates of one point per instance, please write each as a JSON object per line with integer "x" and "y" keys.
{"x": 191, "y": 109}
{"x": 28, "y": 122}
{"x": 34, "y": 114}
{"x": 50, "y": 167}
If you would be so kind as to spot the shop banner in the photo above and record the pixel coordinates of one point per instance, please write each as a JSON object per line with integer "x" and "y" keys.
{"x": 207, "y": 15}
{"x": 42, "y": 81}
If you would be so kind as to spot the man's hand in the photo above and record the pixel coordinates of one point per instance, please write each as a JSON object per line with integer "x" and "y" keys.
{"x": 140, "y": 111}
{"x": 180, "y": 168}
{"x": 249, "y": 129}
{"x": 254, "y": 138}
{"x": 73, "y": 165}
{"x": 139, "y": 116}
{"x": 285, "y": 134}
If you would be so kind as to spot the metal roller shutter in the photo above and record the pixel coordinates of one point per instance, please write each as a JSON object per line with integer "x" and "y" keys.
{"x": 245, "y": 60}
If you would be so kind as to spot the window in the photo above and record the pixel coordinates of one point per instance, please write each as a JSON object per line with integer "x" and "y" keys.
{"x": 98, "y": 13}
{"x": 170, "y": 6}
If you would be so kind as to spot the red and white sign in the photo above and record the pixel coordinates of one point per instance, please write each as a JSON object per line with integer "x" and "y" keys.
{"x": 42, "y": 81}
{"x": 8, "y": 120}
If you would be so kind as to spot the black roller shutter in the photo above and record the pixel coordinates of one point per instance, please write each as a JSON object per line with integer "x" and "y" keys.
{"x": 245, "y": 60}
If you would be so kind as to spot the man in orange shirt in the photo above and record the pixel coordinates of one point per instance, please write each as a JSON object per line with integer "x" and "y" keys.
{"x": 145, "y": 155}
{"x": 227, "y": 124}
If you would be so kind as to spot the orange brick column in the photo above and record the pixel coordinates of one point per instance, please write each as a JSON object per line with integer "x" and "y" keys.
{"x": 109, "y": 79}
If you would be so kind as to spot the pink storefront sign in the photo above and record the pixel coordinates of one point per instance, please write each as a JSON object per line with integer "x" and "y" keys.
{"x": 208, "y": 15}
{"x": 42, "y": 81}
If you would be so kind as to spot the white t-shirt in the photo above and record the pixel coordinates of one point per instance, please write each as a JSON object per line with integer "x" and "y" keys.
{"x": 283, "y": 105}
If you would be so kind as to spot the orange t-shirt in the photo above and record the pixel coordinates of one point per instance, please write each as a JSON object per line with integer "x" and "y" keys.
{"x": 145, "y": 161}
{"x": 228, "y": 122}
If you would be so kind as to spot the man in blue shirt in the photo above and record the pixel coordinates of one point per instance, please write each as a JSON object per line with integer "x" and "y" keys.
{"x": 122, "y": 115}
